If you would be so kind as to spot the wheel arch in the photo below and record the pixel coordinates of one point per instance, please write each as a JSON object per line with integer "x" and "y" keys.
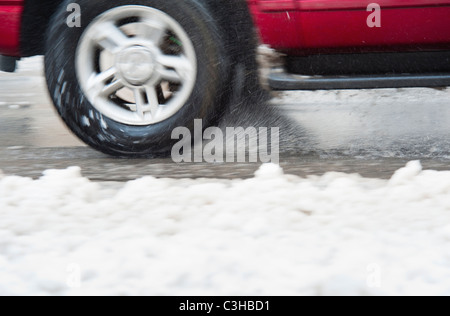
{"x": 35, "y": 19}
{"x": 236, "y": 23}
{"x": 240, "y": 37}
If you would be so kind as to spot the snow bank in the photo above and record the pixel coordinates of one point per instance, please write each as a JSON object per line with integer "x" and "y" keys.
{"x": 274, "y": 234}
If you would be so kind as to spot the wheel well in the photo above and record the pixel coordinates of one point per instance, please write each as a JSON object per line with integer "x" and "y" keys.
{"x": 239, "y": 35}
{"x": 35, "y": 19}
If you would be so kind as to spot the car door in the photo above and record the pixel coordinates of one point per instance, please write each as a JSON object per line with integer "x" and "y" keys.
{"x": 373, "y": 24}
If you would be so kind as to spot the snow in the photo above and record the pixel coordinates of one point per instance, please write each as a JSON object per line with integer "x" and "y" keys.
{"x": 274, "y": 234}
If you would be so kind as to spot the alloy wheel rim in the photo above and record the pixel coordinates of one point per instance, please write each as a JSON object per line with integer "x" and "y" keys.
{"x": 136, "y": 65}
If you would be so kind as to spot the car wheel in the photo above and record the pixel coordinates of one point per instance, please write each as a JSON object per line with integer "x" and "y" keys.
{"x": 135, "y": 70}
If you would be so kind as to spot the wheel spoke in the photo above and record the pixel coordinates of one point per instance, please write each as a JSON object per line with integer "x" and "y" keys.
{"x": 109, "y": 36}
{"x": 98, "y": 81}
{"x": 105, "y": 75}
{"x": 112, "y": 88}
{"x": 181, "y": 66}
{"x": 170, "y": 75}
{"x": 176, "y": 62}
{"x": 153, "y": 30}
{"x": 140, "y": 102}
{"x": 152, "y": 97}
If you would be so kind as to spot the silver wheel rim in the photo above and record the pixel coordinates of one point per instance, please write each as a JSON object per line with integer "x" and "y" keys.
{"x": 136, "y": 65}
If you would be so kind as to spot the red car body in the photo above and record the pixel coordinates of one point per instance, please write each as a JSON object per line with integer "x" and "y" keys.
{"x": 299, "y": 26}
{"x": 10, "y": 19}
{"x": 313, "y": 26}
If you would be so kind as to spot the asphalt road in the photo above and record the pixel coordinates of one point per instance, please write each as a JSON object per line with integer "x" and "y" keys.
{"x": 370, "y": 132}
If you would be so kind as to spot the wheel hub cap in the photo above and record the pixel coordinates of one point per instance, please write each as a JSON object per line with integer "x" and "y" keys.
{"x": 136, "y": 65}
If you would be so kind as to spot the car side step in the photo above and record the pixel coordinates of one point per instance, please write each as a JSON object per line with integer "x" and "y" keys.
{"x": 285, "y": 81}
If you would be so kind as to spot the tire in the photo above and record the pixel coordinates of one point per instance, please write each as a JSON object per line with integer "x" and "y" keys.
{"x": 89, "y": 118}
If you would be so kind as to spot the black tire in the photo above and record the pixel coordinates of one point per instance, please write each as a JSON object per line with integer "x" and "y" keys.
{"x": 210, "y": 95}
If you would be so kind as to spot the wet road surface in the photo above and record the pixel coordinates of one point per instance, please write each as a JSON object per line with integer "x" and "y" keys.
{"x": 370, "y": 132}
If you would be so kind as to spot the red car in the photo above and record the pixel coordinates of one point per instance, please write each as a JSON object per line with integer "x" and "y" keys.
{"x": 123, "y": 74}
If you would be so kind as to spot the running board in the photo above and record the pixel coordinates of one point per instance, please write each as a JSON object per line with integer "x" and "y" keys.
{"x": 285, "y": 81}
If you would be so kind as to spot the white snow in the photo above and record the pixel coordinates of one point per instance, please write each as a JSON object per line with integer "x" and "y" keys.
{"x": 274, "y": 234}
